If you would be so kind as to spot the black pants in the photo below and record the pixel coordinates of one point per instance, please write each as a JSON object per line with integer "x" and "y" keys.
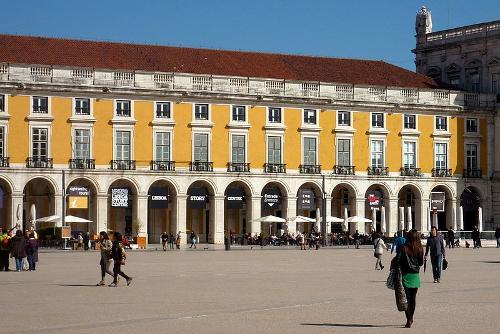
{"x": 411, "y": 296}
{"x": 117, "y": 270}
{"x": 4, "y": 260}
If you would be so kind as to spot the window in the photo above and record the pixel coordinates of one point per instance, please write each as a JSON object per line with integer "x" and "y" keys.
{"x": 409, "y": 154}
{"x": 40, "y": 143}
{"x": 310, "y": 116}
{"x": 238, "y": 114}
{"x": 377, "y": 120}
{"x": 441, "y": 123}
{"x": 82, "y": 144}
{"x": 473, "y": 80}
{"x": 2, "y": 103}
{"x": 471, "y": 155}
{"x": 201, "y": 147}
{"x": 441, "y": 152}
{"x": 471, "y": 124}
{"x": 201, "y": 112}
{"x": 274, "y": 115}
{"x": 162, "y": 109}
{"x": 309, "y": 151}
{"x": 238, "y": 149}
{"x": 2, "y": 142}
{"x": 495, "y": 83}
{"x": 162, "y": 151}
{"x": 274, "y": 150}
{"x": 40, "y": 104}
{"x": 122, "y": 143}
{"x": 455, "y": 81}
{"x": 82, "y": 107}
{"x": 123, "y": 108}
{"x": 344, "y": 118}
{"x": 410, "y": 122}
{"x": 344, "y": 152}
{"x": 377, "y": 149}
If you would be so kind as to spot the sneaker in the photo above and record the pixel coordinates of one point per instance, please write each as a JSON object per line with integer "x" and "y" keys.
{"x": 435, "y": 281}
{"x": 129, "y": 281}
{"x": 101, "y": 283}
{"x": 113, "y": 285}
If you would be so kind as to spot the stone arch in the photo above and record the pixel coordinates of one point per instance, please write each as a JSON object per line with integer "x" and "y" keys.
{"x": 121, "y": 180}
{"x": 470, "y": 203}
{"x": 40, "y": 191}
{"x": 375, "y": 213}
{"x": 238, "y": 212}
{"x": 443, "y": 220}
{"x": 6, "y": 189}
{"x": 162, "y": 213}
{"x": 123, "y": 217}
{"x": 171, "y": 182}
{"x": 249, "y": 186}
{"x": 200, "y": 214}
{"x": 410, "y": 208}
{"x": 83, "y": 206}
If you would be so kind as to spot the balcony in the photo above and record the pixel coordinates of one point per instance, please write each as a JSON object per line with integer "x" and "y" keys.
{"x": 441, "y": 172}
{"x": 123, "y": 164}
{"x": 411, "y": 171}
{"x": 161, "y": 165}
{"x": 36, "y": 162}
{"x": 472, "y": 173}
{"x": 82, "y": 163}
{"x": 310, "y": 169}
{"x": 239, "y": 167}
{"x": 344, "y": 170}
{"x": 201, "y": 166}
{"x": 275, "y": 168}
{"x": 378, "y": 171}
{"x": 4, "y": 162}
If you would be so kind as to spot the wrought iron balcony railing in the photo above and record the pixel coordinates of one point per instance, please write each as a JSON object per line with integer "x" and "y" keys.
{"x": 378, "y": 171}
{"x": 163, "y": 165}
{"x": 36, "y": 162}
{"x": 275, "y": 168}
{"x": 344, "y": 170}
{"x": 239, "y": 167}
{"x": 411, "y": 171}
{"x": 441, "y": 172}
{"x": 82, "y": 163}
{"x": 310, "y": 169}
{"x": 4, "y": 162}
{"x": 123, "y": 164}
{"x": 473, "y": 173}
{"x": 201, "y": 166}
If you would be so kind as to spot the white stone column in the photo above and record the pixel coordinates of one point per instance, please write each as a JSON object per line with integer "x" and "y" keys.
{"x": 181, "y": 217}
{"x": 460, "y": 217}
{"x": 392, "y": 227}
{"x": 217, "y": 225}
{"x": 58, "y": 206}
{"x": 424, "y": 216}
{"x": 409, "y": 222}
{"x": 102, "y": 213}
{"x": 254, "y": 225}
{"x": 453, "y": 224}
{"x": 480, "y": 218}
{"x": 401, "y": 216}
{"x": 291, "y": 211}
{"x": 16, "y": 200}
{"x": 360, "y": 211}
{"x": 142, "y": 215}
{"x": 328, "y": 212}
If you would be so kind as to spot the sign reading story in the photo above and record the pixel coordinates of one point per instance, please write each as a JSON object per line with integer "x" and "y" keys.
{"x": 119, "y": 197}
{"x": 197, "y": 198}
{"x": 437, "y": 201}
{"x": 159, "y": 197}
{"x": 374, "y": 198}
{"x": 271, "y": 198}
{"x": 235, "y": 198}
{"x": 306, "y": 199}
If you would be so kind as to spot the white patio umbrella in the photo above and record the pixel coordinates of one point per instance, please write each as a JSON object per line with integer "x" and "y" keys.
{"x": 19, "y": 212}
{"x": 270, "y": 219}
{"x": 52, "y": 221}
{"x": 301, "y": 219}
{"x": 358, "y": 219}
{"x": 408, "y": 218}
{"x": 33, "y": 214}
{"x": 382, "y": 219}
{"x": 74, "y": 219}
{"x": 346, "y": 224}
{"x": 331, "y": 219}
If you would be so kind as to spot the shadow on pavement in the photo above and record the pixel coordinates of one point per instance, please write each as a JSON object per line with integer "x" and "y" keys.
{"x": 492, "y": 262}
{"x": 351, "y": 325}
{"x": 77, "y": 285}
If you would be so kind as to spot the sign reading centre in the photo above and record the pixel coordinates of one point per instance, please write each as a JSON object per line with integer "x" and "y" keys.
{"x": 374, "y": 198}
{"x": 159, "y": 198}
{"x": 271, "y": 198}
{"x": 197, "y": 198}
{"x": 306, "y": 199}
{"x": 438, "y": 201}
{"x": 119, "y": 197}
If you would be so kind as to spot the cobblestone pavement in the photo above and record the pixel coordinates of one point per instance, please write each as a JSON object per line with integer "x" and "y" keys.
{"x": 266, "y": 291}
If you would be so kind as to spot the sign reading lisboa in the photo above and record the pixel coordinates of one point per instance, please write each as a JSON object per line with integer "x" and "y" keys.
{"x": 119, "y": 197}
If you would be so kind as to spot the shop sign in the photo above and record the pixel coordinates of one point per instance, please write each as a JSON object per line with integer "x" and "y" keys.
{"x": 235, "y": 198}
{"x": 197, "y": 198}
{"x": 374, "y": 198}
{"x": 306, "y": 199}
{"x": 78, "y": 202}
{"x": 159, "y": 197}
{"x": 119, "y": 197}
{"x": 438, "y": 201}
{"x": 271, "y": 198}
{"x": 78, "y": 191}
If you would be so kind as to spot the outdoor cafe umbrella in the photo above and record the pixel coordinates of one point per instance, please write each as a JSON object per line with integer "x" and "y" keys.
{"x": 270, "y": 219}
{"x": 357, "y": 219}
{"x": 346, "y": 223}
{"x": 33, "y": 214}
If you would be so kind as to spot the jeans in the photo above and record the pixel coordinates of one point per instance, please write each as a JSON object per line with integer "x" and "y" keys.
{"x": 117, "y": 270}
{"x": 411, "y": 296}
{"x": 498, "y": 242}
{"x": 437, "y": 262}
{"x": 19, "y": 263}
{"x": 32, "y": 264}
{"x": 105, "y": 269}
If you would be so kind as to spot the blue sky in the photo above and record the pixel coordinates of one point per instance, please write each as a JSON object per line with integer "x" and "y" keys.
{"x": 369, "y": 29}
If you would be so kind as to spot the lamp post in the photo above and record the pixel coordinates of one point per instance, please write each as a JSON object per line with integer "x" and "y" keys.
{"x": 323, "y": 210}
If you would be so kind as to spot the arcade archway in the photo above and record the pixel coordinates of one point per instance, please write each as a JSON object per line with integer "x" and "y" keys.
{"x": 200, "y": 211}
{"x": 122, "y": 208}
{"x": 41, "y": 193}
{"x": 162, "y": 210}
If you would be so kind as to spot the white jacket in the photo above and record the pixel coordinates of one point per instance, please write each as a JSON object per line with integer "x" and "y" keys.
{"x": 379, "y": 246}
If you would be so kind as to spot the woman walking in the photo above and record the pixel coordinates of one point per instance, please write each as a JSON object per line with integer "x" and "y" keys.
{"x": 32, "y": 251}
{"x": 106, "y": 256}
{"x": 118, "y": 254}
{"x": 411, "y": 259}
{"x": 379, "y": 246}
{"x": 18, "y": 249}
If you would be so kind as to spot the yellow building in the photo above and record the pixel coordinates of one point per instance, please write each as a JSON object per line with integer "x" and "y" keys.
{"x": 146, "y": 139}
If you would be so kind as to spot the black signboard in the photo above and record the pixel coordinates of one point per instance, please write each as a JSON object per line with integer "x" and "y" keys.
{"x": 235, "y": 198}
{"x": 437, "y": 201}
{"x": 197, "y": 198}
{"x": 271, "y": 198}
{"x": 78, "y": 191}
{"x": 119, "y": 197}
{"x": 159, "y": 197}
{"x": 374, "y": 199}
{"x": 306, "y": 199}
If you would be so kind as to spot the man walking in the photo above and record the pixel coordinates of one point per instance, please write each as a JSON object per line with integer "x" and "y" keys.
{"x": 164, "y": 240}
{"x": 476, "y": 237}
{"x": 435, "y": 244}
{"x": 450, "y": 238}
{"x": 497, "y": 235}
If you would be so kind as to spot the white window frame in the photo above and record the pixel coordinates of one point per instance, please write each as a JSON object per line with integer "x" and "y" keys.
{"x": 384, "y": 125}
{"x": 171, "y": 117}
{"x": 478, "y": 145}
{"x": 115, "y": 105}
{"x": 436, "y": 124}
{"x": 231, "y": 120}
{"x": 38, "y": 114}
{"x": 384, "y": 151}
{"x": 316, "y": 138}
{"x": 171, "y": 134}
{"x": 350, "y": 113}
{"x": 477, "y": 124}
{"x": 49, "y": 137}
{"x": 209, "y": 143}
{"x": 73, "y": 139}
{"x": 282, "y": 116}
{"x": 351, "y": 140}
{"x": 91, "y": 107}
{"x": 5, "y": 139}
{"x": 243, "y": 134}
{"x": 124, "y": 128}
{"x": 416, "y": 122}
{"x": 405, "y": 140}
{"x": 6, "y": 104}
{"x": 447, "y": 143}
{"x": 282, "y": 138}
{"x": 209, "y": 110}
{"x": 316, "y": 114}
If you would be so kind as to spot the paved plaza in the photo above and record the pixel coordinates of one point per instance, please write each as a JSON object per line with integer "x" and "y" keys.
{"x": 247, "y": 291}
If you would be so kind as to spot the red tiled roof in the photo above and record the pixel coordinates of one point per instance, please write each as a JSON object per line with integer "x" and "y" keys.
{"x": 110, "y": 55}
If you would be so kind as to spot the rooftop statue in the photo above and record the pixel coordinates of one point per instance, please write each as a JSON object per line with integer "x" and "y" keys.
{"x": 423, "y": 22}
